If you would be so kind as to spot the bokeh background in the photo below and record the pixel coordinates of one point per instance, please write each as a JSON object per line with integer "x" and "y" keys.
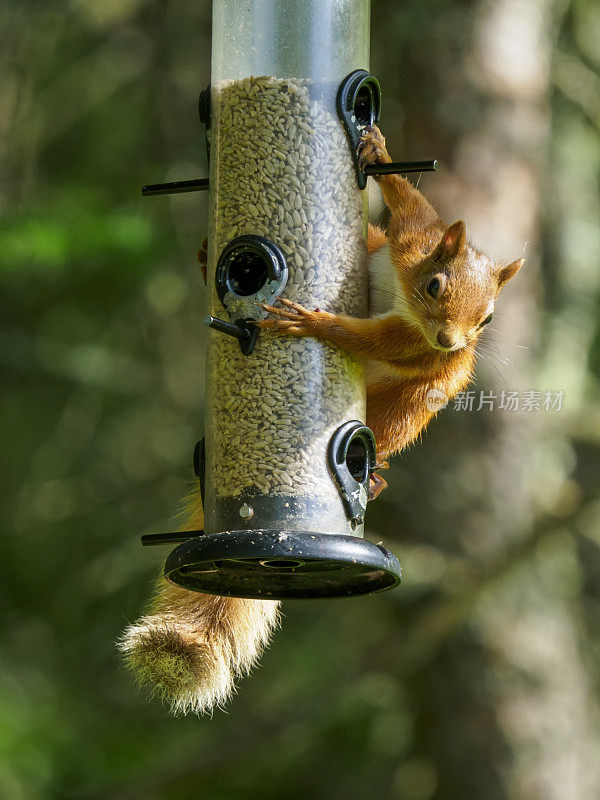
{"x": 478, "y": 677}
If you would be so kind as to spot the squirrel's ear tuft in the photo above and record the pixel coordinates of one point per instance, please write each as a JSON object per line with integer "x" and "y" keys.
{"x": 454, "y": 239}
{"x": 506, "y": 273}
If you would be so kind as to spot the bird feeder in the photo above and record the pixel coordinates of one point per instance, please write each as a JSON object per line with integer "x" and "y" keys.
{"x": 285, "y": 464}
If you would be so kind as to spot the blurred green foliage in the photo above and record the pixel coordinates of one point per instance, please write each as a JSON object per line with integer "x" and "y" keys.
{"x": 478, "y": 677}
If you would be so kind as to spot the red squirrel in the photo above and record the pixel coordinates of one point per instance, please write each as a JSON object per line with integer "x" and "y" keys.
{"x": 432, "y": 295}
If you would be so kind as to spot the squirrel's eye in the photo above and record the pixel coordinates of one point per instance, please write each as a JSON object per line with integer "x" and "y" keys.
{"x": 433, "y": 287}
{"x": 486, "y": 321}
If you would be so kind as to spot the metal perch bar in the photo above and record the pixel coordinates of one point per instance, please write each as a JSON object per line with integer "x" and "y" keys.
{"x": 177, "y": 187}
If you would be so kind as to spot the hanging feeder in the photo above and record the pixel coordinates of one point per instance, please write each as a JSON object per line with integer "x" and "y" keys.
{"x": 285, "y": 465}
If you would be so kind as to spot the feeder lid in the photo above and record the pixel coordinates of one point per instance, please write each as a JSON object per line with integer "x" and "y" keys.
{"x": 268, "y": 564}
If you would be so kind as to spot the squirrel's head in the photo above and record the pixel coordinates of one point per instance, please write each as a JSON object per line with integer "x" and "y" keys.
{"x": 449, "y": 293}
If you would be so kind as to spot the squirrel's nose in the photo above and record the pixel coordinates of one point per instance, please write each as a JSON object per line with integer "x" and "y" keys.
{"x": 446, "y": 339}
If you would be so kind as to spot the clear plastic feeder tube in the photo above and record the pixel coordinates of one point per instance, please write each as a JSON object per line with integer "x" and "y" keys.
{"x": 281, "y": 169}
{"x": 314, "y": 40}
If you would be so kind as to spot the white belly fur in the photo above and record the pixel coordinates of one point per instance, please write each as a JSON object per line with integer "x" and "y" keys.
{"x": 383, "y": 282}
{"x": 385, "y": 297}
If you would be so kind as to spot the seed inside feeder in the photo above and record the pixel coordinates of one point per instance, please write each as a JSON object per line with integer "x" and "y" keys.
{"x": 282, "y": 167}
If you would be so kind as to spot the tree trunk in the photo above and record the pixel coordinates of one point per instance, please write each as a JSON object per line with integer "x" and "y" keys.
{"x": 502, "y": 701}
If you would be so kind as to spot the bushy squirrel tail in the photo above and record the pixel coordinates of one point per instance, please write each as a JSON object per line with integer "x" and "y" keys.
{"x": 190, "y": 648}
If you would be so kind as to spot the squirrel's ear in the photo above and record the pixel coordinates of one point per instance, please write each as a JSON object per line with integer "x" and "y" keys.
{"x": 453, "y": 240}
{"x": 506, "y": 273}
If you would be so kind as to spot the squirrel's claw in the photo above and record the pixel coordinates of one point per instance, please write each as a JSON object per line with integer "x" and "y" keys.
{"x": 280, "y": 312}
{"x": 382, "y": 465}
{"x": 300, "y": 310}
{"x": 371, "y": 148}
{"x": 376, "y": 486}
{"x": 291, "y": 311}
{"x": 366, "y": 130}
{"x": 282, "y": 326}
{"x": 293, "y": 319}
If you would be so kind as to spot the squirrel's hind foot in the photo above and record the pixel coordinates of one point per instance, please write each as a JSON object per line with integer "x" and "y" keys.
{"x": 377, "y": 484}
{"x": 372, "y": 149}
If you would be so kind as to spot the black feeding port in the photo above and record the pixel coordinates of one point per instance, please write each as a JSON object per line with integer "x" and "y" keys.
{"x": 357, "y": 459}
{"x": 358, "y": 106}
{"x": 247, "y": 272}
{"x": 247, "y": 265}
{"x": 351, "y": 458}
{"x": 250, "y": 271}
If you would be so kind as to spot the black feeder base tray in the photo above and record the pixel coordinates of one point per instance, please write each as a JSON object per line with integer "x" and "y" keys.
{"x": 274, "y": 565}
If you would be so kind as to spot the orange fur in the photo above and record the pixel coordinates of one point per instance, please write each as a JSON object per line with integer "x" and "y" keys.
{"x": 376, "y": 239}
{"x": 424, "y": 342}
{"x": 189, "y": 647}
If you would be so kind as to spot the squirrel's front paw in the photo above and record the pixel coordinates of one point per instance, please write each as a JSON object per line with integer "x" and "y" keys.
{"x": 293, "y": 319}
{"x": 371, "y": 148}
